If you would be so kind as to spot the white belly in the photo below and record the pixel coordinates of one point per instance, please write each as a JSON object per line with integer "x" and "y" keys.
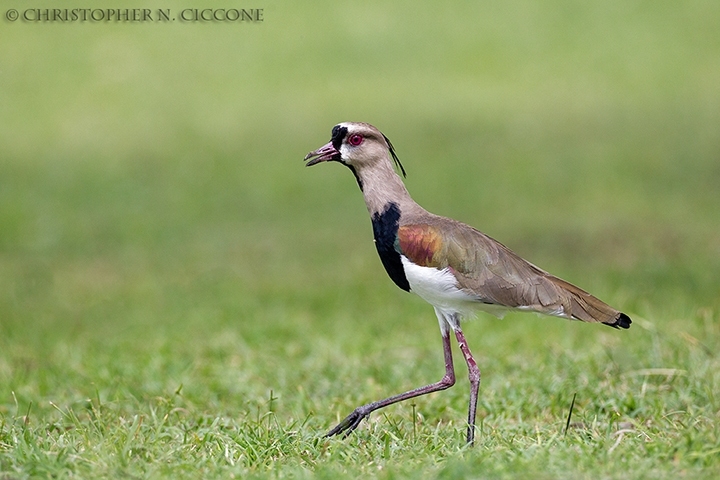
{"x": 438, "y": 288}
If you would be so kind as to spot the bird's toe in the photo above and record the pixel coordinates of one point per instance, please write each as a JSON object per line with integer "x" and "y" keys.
{"x": 349, "y": 424}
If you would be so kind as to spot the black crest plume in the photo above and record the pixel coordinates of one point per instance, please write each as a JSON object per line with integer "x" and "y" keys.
{"x": 394, "y": 156}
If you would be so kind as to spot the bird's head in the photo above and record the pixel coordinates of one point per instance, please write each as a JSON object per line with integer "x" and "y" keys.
{"x": 356, "y": 145}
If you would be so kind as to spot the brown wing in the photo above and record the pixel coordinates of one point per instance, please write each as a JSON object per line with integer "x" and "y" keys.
{"x": 495, "y": 275}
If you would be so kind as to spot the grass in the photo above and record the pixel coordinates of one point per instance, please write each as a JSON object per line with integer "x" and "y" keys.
{"x": 180, "y": 298}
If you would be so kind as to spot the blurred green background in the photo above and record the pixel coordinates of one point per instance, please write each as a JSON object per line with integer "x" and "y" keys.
{"x": 155, "y": 212}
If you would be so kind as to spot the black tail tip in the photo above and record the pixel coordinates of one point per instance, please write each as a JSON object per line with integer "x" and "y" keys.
{"x": 622, "y": 321}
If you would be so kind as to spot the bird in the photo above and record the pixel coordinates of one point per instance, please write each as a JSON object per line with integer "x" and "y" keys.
{"x": 452, "y": 266}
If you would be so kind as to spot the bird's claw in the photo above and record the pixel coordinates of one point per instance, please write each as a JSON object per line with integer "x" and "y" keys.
{"x": 349, "y": 424}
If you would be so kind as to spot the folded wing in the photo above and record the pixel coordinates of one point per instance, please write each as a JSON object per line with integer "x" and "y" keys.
{"x": 495, "y": 275}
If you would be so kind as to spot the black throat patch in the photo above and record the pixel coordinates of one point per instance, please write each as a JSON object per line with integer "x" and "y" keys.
{"x": 338, "y": 135}
{"x": 385, "y": 228}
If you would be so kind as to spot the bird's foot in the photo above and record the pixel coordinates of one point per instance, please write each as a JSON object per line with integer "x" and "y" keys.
{"x": 350, "y": 422}
{"x": 471, "y": 435}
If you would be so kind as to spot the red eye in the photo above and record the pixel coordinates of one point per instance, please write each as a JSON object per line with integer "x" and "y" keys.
{"x": 355, "y": 139}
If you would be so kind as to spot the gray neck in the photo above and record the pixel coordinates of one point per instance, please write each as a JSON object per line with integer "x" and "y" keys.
{"x": 381, "y": 186}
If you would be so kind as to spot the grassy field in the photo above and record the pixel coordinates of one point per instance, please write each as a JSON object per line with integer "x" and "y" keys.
{"x": 181, "y": 298}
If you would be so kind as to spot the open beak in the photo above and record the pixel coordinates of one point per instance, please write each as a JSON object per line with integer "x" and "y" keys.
{"x": 322, "y": 154}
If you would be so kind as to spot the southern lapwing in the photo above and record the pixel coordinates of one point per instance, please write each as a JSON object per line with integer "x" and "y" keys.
{"x": 452, "y": 266}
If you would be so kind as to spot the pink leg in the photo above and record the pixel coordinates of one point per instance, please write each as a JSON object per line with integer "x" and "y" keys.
{"x": 351, "y": 422}
{"x": 474, "y": 375}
